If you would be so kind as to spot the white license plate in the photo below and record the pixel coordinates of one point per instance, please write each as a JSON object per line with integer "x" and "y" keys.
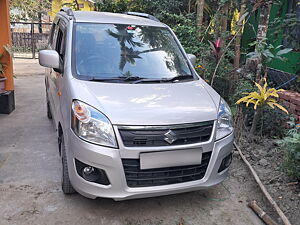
{"x": 170, "y": 158}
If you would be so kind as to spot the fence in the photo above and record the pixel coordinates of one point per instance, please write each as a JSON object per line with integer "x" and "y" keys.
{"x": 29, "y": 38}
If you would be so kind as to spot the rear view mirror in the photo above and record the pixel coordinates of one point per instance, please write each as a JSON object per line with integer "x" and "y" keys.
{"x": 192, "y": 59}
{"x": 49, "y": 58}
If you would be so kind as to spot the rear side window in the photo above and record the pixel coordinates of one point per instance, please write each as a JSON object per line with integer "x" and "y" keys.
{"x": 52, "y": 34}
{"x": 60, "y": 43}
{"x": 54, "y": 37}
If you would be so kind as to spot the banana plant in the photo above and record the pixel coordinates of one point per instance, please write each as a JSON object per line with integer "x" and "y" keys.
{"x": 263, "y": 97}
{"x": 267, "y": 52}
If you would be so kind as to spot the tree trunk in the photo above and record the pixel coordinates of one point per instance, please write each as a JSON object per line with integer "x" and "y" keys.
{"x": 255, "y": 121}
{"x": 200, "y": 13}
{"x": 259, "y": 70}
{"x": 225, "y": 16}
{"x": 263, "y": 21}
{"x": 237, "y": 46}
{"x": 262, "y": 30}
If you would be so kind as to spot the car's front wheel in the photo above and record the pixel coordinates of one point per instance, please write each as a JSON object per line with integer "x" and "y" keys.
{"x": 49, "y": 114}
{"x": 66, "y": 185}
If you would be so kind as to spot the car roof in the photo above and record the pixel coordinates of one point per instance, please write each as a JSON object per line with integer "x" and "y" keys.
{"x": 114, "y": 18}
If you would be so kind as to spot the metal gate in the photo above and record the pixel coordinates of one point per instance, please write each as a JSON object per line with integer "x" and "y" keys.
{"x": 29, "y": 38}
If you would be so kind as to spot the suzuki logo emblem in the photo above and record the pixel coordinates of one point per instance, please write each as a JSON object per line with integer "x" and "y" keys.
{"x": 170, "y": 137}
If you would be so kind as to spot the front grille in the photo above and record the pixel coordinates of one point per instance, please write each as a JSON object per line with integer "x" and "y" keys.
{"x": 151, "y": 136}
{"x": 136, "y": 177}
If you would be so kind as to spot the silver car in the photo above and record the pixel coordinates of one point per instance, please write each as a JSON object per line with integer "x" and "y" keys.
{"x": 133, "y": 117}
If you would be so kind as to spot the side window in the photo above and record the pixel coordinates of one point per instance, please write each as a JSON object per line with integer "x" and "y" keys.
{"x": 54, "y": 38}
{"x": 60, "y": 43}
{"x": 51, "y": 34}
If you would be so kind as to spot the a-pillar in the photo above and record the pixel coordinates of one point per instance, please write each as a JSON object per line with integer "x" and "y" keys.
{"x": 7, "y": 100}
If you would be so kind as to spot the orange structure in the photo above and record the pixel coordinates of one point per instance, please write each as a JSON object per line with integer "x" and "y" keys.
{"x": 7, "y": 99}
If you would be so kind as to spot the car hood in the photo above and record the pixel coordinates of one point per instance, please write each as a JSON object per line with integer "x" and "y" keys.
{"x": 152, "y": 104}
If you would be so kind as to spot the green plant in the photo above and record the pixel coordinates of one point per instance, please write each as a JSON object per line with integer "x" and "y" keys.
{"x": 7, "y": 49}
{"x": 267, "y": 52}
{"x": 260, "y": 99}
{"x": 117, "y": 6}
{"x": 289, "y": 25}
{"x": 272, "y": 123}
{"x": 291, "y": 145}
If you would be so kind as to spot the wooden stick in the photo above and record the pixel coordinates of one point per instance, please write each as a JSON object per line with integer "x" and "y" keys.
{"x": 262, "y": 187}
{"x": 292, "y": 183}
{"x": 262, "y": 214}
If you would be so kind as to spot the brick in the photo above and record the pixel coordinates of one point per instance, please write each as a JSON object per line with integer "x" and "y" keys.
{"x": 282, "y": 95}
{"x": 286, "y": 97}
{"x": 296, "y": 101}
{"x": 292, "y": 108}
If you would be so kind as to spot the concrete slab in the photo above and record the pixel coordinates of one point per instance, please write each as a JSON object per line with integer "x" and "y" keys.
{"x": 30, "y": 190}
{"x": 25, "y": 67}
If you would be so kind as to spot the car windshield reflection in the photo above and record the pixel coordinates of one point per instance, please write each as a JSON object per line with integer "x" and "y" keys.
{"x": 118, "y": 51}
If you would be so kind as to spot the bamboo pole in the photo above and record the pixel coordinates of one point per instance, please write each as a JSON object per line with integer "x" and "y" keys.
{"x": 200, "y": 13}
{"x": 237, "y": 47}
{"x": 263, "y": 188}
{"x": 262, "y": 214}
{"x": 225, "y": 17}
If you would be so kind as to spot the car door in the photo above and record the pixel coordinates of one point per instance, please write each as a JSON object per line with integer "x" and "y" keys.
{"x": 49, "y": 78}
{"x": 55, "y": 76}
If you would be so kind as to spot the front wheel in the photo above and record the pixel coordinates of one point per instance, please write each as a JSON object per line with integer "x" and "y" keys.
{"x": 66, "y": 185}
{"x": 49, "y": 114}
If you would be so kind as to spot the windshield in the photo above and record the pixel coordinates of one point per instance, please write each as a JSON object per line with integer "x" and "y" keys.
{"x": 118, "y": 50}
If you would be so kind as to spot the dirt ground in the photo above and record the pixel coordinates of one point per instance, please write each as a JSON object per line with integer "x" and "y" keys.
{"x": 266, "y": 157}
{"x": 30, "y": 178}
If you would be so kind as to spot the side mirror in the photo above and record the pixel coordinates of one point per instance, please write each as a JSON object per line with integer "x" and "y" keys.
{"x": 192, "y": 59}
{"x": 49, "y": 58}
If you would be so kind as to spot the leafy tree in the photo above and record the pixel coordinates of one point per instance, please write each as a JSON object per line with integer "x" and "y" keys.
{"x": 29, "y": 10}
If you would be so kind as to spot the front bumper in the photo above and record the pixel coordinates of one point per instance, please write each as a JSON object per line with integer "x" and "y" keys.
{"x": 109, "y": 160}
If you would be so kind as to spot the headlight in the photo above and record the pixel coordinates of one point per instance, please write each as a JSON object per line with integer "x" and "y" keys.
{"x": 224, "y": 124}
{"x": 91, "y": 125}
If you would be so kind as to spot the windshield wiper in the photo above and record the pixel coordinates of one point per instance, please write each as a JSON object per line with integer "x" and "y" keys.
{"x": 137, "y": 79}
{"x": 180, "y": 77}
{"x": 149, "y": 80}
{"x": 103, "y": 78}
{"x": 121, "y": 78}
{"x": 131, "y": 78}
{"x": 162, "y": 80}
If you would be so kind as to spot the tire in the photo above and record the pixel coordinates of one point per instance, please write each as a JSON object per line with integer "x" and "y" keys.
{"x": 49, "y": 114}
{"x": 66, "y": 185}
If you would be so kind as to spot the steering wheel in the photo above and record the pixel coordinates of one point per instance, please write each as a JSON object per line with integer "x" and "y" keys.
{"x": 94, "y": 63}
